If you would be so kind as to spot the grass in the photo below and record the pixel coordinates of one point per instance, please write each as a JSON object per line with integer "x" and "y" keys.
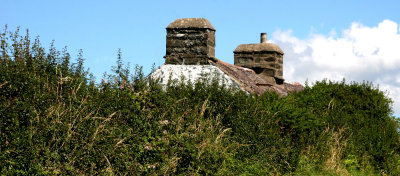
{"x": 56, "y": 120}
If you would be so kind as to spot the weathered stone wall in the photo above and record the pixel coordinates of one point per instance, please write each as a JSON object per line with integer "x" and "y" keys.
{"x": 190, "y": 46}
{"x": 266, "y": 64}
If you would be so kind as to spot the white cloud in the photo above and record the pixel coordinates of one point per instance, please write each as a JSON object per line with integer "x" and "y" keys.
{"x": 359, "y": 53}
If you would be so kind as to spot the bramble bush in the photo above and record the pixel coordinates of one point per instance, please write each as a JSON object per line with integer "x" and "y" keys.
{"x": 54, "y": 119}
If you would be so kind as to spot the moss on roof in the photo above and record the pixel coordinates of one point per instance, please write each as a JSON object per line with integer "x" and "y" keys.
{"x": 258, "y": 47}
{"x": 191, "y": 23}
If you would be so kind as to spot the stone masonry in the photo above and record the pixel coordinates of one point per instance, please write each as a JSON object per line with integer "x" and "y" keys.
{"x": 266, "y": 59}
{"x": 190, "y": 52}
{"x": 190, "y": 41}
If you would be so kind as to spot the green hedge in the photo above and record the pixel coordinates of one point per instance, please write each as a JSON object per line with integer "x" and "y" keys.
{"x": 54, "y": 119}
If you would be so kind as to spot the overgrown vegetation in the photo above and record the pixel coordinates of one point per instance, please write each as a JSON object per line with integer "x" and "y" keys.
{"x": 56, "y": 120}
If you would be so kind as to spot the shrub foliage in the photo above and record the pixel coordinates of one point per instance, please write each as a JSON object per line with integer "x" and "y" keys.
{"x": 54, "y": 119}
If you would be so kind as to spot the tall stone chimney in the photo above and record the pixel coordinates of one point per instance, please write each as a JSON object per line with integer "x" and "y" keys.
{"x": 190, "y": 41}
{"x": 266, "y": 59}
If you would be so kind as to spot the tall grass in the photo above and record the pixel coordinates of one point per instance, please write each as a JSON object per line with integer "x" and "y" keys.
{"x": 56, "y": 120}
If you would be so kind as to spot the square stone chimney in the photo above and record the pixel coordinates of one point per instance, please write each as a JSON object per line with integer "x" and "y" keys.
{"x": 190, "y": 41}
{"x": 266, "y": 59}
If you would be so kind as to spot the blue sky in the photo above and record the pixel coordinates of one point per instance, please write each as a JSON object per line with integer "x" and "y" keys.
{"x": 313, "y": 34}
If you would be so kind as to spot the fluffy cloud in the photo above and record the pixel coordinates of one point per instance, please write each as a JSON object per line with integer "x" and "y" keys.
{"x": 360, "y": 53}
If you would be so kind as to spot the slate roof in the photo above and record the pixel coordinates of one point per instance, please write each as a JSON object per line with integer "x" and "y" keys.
{"x": 248, "y": 80}
{"x": 244, "y": 78}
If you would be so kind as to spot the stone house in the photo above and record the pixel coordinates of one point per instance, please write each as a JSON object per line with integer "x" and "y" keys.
{"x": 190, "y": 52}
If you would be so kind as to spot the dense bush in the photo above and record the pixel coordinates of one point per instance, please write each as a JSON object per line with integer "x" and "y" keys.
{"x": 54, "y": 119}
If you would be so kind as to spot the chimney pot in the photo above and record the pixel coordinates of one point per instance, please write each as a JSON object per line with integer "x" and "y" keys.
{"x": 263, "y": 37}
